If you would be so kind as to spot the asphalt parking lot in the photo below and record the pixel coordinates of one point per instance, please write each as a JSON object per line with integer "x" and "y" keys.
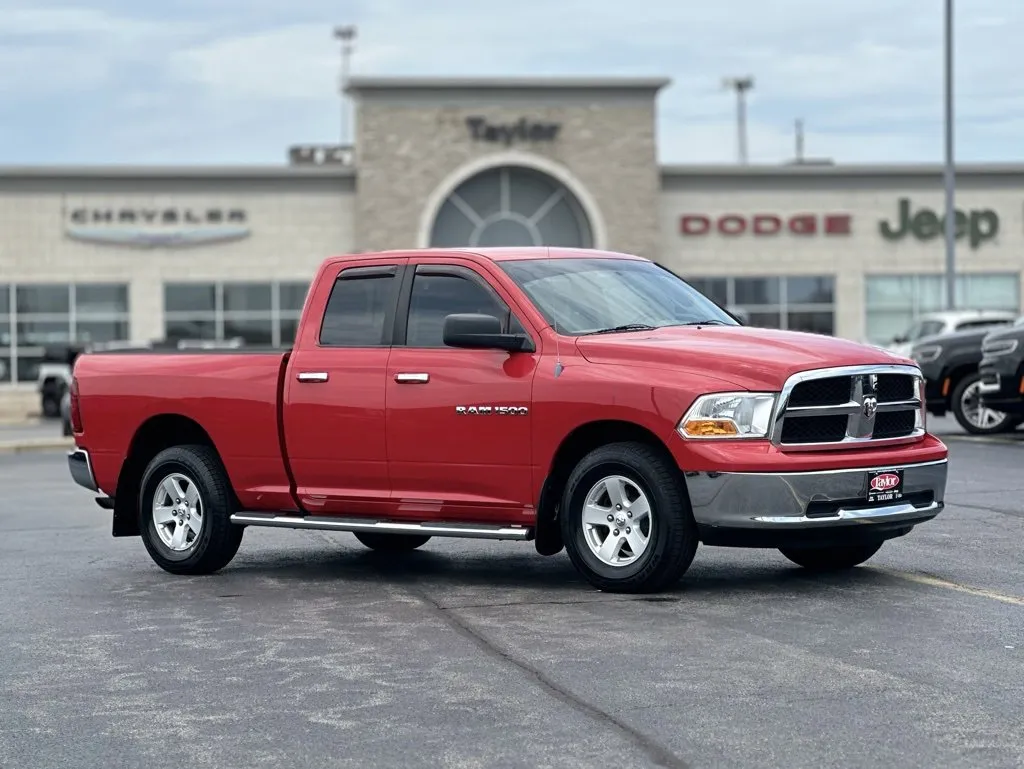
{"x": 311, "y": 651}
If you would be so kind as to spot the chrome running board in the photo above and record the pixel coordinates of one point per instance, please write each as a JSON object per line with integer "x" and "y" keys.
{"x": 323, "y": 523}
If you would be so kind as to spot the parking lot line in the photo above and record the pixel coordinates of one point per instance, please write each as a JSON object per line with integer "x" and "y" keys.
{"x": 927, "y": 579}
{"x": 982, "y": 439}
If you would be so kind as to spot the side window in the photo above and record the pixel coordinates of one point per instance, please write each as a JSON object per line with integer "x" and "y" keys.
{"x": 929, "y": 328}
{"x": 435, "y": 296}
{"x": 358, "y": 308}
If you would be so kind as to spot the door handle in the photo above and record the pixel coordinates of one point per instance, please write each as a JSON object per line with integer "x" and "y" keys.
{"x": 312, "y": 376}
{"x": 412, "y": 378}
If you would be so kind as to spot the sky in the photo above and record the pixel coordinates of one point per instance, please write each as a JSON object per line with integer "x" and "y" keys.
{"x": 238, "y": 81}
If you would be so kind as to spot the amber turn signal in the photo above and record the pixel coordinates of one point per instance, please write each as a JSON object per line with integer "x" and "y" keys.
{"x": 706, "y": 428}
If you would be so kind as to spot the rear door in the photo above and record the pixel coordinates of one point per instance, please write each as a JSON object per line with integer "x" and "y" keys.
{"x": 447, "y": 458}
{"x": 334, "y": 392}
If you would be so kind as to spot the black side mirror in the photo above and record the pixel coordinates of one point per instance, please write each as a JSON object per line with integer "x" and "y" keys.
{"x": 901, "y": 339}
{"x": 482, "y": 332}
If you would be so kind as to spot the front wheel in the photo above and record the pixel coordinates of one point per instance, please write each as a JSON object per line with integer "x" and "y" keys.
{"x": 391, "y": 542}
{"x": 830, "y": 558}
{"x": 185, "y": 508}
{"x": 974, "y": 417}
{"x": 626, "y": 519}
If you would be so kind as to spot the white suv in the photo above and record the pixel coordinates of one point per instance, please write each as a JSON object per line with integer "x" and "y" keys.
{"x": 935, "y": 323}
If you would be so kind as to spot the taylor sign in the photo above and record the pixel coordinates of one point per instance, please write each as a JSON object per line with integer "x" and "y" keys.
{"x": 765, "y": 224}
{"x": 505, "y": 133}
{"x": 979, "y": 224}
{"x": 153, "y": 227}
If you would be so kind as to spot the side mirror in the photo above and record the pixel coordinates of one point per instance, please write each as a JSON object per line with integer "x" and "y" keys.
{"x": 482, "y": 332}
{"x": 901, "y": 339}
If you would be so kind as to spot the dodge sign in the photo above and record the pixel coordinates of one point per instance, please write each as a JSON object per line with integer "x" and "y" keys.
{"x": 765, "y": 224}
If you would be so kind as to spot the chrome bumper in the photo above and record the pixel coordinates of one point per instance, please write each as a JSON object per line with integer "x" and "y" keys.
{"x": 813, "y": 500}
{"x": 81, "y": 469}
{"x": 990, "y": 387}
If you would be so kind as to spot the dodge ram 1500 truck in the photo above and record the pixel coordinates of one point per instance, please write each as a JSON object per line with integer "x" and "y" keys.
{"x": 581, "y": 399}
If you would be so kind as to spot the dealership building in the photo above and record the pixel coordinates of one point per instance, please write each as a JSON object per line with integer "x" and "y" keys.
{"x": 140, "y": 253}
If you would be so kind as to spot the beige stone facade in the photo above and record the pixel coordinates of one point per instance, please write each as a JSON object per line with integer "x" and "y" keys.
{"x": 414, "y": 145}
{"x": 86, "y": 231}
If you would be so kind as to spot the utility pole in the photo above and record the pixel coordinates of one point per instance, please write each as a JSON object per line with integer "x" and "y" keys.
{"x": 950, "y": 168}
{"x": 347, "y": 35}
{"x": 740, "y": 85}
{"x": 799, "y": 156}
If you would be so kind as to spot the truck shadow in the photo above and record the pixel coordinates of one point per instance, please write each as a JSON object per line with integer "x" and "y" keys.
{"x": 459, "y": 573}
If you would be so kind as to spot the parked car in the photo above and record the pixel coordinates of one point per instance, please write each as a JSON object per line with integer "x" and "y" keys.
{"x": 573, "y": 398}
{"x": 53, "y": 377}
{"x": 949, "y": 363}
{"x": 947, "y": 322}
{"x": 1002, "y": 372}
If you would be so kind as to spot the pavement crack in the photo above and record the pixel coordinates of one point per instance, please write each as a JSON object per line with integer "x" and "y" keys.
{"x": 655, "y": 751}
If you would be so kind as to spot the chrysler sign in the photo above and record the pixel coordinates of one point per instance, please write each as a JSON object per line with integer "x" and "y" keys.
{"x": 152, "y": 227}
{"x": 765, "y": 224}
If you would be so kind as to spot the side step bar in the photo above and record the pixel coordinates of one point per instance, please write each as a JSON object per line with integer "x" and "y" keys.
{"x": 323, "y": 523}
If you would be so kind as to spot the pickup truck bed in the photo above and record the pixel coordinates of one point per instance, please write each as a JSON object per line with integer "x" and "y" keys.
{"x": 583, "y": 400}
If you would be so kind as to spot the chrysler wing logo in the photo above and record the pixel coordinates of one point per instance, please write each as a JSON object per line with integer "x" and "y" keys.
{"x": 869, "y": 407}
{"x": 153, "y": 227}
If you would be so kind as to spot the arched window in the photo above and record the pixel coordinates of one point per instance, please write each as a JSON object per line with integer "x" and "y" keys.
{"x": 511, "y": 206}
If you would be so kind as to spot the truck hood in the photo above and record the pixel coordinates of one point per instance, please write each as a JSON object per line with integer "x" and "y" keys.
{"x": 748, "y": 358}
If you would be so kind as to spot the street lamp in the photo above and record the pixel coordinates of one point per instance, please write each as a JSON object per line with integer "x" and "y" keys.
{"x": 740, "y": 85}
{"x": 347, "y": 35}
{"x": 950, "y": 169}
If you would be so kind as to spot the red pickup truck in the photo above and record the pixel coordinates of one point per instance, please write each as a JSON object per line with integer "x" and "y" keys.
{"x": 580, "y": 399}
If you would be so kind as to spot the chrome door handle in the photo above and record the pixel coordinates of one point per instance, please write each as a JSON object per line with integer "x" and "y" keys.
{"x": 312, "y": 376}
{"x": 412, "y": 378}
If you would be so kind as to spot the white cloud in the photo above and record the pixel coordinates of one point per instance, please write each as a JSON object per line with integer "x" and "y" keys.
{"x": 866, "y": 76}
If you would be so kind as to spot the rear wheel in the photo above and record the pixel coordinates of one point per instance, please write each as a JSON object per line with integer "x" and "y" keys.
{"x": 626, "y": 519}
{"x": 391, "y": 542}
{"x": 185, "y": 508}
{"x": 831, "y": 558}
{"x": 974, "y": 417}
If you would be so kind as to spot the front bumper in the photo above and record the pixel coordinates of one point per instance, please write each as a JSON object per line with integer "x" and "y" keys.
{"x": 80, "y": 468}
{"x": 817, "y": 507}
{"x": 1001, "y": 387}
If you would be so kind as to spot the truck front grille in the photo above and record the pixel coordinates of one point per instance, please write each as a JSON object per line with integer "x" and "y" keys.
{"x": 832, "y": 408}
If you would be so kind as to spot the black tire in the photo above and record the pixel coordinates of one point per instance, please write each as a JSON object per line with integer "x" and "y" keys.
{"x": 391, "y": 542}
{"x": 51, "y": 405}
{"x": 960, "y": 394}
{"x": 218, "y": 539}
{"x": 831, "y": 558}
{"x": 672, "y": 532}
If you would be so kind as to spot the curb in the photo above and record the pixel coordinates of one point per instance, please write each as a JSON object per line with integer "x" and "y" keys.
{"x": 43, "y": 444}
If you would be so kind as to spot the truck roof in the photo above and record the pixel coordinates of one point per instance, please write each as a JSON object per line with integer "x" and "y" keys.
{"x": 498, "y": 254}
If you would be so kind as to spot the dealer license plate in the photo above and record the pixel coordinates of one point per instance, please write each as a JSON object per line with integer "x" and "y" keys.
{"x": 885, "y": 485}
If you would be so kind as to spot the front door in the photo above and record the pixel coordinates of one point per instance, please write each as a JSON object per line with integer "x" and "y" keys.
{"x": 335, "y": 392}
{"x": 458, "y": 421}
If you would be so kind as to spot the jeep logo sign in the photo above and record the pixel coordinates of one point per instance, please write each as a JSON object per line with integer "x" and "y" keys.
{"x": 979, "y": 225}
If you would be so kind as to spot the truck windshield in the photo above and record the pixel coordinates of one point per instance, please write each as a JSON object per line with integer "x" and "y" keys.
{"x": 586, "y": 296}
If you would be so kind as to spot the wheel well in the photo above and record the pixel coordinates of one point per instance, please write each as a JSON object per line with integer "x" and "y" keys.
{"x": 955, "y": 374}
{"x": 573, "y": 448}
{"x": 153, "y": 436}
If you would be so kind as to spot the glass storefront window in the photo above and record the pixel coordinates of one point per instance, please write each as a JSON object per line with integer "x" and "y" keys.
{"x": 34, "y": 316}
{"x": 263, "y": 314}
{"x": 793, "y": 303}
{"x": 893, "y": 302}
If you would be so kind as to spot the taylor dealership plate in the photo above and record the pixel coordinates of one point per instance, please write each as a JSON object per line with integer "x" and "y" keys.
{"x": 885, "y": 485}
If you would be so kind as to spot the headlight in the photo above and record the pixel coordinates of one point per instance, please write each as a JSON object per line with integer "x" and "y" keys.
{"x": 729, "y": 415}
{"x": 926, "y": 354}
{"x": 999, "y": 347}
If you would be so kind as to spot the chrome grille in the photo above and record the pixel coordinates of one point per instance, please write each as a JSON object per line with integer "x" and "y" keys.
{"x": 829, "y": 408}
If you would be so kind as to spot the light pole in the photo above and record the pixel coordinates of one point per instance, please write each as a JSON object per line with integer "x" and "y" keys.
{"x": 740, "y": 85}
{"x": 347, "y": 35}
{"x": 950, "y": 169}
